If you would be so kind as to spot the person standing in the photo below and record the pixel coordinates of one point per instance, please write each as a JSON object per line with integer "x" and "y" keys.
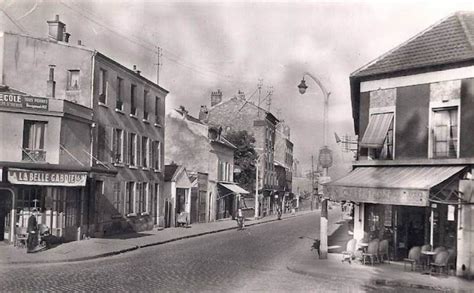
{"x": 32, "y": 230}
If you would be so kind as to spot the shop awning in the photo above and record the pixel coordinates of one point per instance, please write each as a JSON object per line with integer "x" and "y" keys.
{"x": 234, "y": 188}
{"x": 376, "y": 131}
{"x": 390, "y": 185}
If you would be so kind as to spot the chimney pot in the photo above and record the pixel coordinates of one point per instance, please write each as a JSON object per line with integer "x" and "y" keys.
{"x": 134, "y": 67}
{"x": 57, "y": 17}
{"x": 57, "y": 29}
{"x": 216, "y": 97}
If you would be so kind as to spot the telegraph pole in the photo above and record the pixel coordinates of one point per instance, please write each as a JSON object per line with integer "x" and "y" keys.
{"x": 312, "y": 181}
{"x": 159, "y": 53}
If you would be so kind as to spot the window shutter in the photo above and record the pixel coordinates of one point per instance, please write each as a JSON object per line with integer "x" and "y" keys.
{"x": 150, "y": 153}
{"x": 125, "y": 147}
{"x": 113, "y": 157}
{"x": 138, "y": 191}
{"x": 138, "y": 150}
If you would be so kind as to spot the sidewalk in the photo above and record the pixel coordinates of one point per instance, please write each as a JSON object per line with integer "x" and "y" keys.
{"x": 102, "y": 247}
{"x": 357, "y": 277}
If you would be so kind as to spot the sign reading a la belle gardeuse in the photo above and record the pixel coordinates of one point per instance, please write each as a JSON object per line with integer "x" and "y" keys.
{"x": 48, "y": 178}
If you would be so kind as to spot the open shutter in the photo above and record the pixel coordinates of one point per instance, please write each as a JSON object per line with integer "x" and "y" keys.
{"x": 150, "y": 154}
{"x": 125, "y": 147}
{"x": 139, "y": 150}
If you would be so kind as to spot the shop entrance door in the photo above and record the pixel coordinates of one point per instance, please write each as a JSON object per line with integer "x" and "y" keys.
{"x": 73, "y": 213}
{"x": 5, "y": 210}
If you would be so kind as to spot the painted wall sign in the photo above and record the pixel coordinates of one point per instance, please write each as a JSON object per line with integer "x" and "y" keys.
{"x": 410, "y": 197}
{"x": 49, "y": 178}
{"x": 23, "y": 102}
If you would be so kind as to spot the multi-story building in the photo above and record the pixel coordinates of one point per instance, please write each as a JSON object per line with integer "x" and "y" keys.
{"x": 284, "y": 162}
{"x": 412, "y": 108}
{"x": 238, "y": 114}
{"x": 205, "y": 151}
{"x": 122, "y": 147}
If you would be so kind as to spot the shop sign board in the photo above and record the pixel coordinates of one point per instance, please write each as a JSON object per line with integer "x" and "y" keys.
{"x": 48, "y": 178}
{"x": 393, "y": 196}
{"x": 325, "y": 157}
{"x": 23, "y": 102}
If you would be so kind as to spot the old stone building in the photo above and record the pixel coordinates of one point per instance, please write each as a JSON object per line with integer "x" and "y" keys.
{"x": 109, "y": 125}
{"x": 236, "y": 114}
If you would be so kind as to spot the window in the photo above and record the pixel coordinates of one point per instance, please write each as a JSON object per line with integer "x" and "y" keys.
{"x": 73, "y": 80}
{"x": 445, "y": 132}
{"x": 132, "y": 150}
{"x": 102, "y": 86}
{"x": 130, "y": 198}
{"x": 117, "y": 198}
{"x": 378, "y": 136}
{"x": 145, "y": 104}
{"x": 145, "y": 152}
{"x": 117, "y": 148}
{"x": 133, "y": 97}
{"x": 157, "y": 110}
{"x": 156, "y": 154}
{"x": 119, "y": 98}
{"x": 33, "y": 141}
{"x": 142, "y": 199}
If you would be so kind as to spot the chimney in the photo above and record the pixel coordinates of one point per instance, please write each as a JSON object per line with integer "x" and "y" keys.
{"x": 135, "y": 69}
{"x": 241, "y": 95}
{"x": 203, "y": 113}
{"x": 216, "y": 97}
{"x": 50, "y": 83}
{"x": 57, "y": 29}
{"x": 66, "y": 37}
{"x": 79, "y": 42}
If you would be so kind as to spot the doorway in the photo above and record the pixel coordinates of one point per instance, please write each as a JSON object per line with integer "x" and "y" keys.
{"x": 5, "y": 214}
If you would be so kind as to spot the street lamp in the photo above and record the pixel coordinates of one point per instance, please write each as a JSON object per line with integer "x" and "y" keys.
{"x": 325, "y": 160}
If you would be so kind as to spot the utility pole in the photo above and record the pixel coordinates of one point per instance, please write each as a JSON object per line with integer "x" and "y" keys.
{"x": 269, "y": 98}
{"x": 312, "y": 181}
{"x": 159, "y": 53}
{"x": 259, "y": 87}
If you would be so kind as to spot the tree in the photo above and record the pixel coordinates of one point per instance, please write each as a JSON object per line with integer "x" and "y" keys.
{"x": 245, "y": 158}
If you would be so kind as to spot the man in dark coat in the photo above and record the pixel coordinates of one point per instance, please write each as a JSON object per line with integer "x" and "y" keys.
{"x": 32, "y": 230}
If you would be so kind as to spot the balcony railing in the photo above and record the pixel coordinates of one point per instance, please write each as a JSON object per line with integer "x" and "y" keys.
{"x": 33, "y": 155}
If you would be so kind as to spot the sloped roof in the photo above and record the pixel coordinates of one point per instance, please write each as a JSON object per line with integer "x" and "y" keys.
{"x": 451, "y": 40}
{"x": 170, "y": 170}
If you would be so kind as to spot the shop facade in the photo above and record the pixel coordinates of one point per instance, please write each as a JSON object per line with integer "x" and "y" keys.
{"x": 412, "y": 109}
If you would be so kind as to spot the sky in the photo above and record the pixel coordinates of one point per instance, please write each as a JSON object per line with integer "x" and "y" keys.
{"x": 232, "y": 46}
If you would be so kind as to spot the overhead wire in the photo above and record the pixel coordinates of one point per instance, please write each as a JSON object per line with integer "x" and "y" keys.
{"x": 13, "y": 21}
{"x": 152, "y": 48}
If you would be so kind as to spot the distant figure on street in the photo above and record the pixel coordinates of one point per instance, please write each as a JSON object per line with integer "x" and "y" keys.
{"x": 32, "y": 230}
{"x": 240, "y": 219}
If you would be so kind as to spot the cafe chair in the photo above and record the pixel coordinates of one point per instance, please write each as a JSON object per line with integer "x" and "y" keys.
{"x": 439, "y": 249}
{"x": 414, "y": 256}
{"x": 383, "y": 251}
{"x": 372, "y": 252}
{"x": 349, "y": 253}
{"x": 21, "y": 237}
{"x": 440, "y": 263}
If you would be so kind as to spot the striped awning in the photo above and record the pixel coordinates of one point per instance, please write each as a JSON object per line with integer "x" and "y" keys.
{"x": 376, "y": 131}
{"x": 390, "y": 185}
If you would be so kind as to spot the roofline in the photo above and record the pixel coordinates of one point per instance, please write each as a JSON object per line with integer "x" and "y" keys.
{"x": 245, "y": 102}
{"x": 355, "y": 73}
{"x": 151, "y": 83}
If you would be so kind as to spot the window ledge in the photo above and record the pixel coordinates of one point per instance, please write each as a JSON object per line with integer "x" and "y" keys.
{"x": 103, "y": 104}
{"x": 133, "y": 167}
{"x": 131, "y": 215}
{"x": 145, "y": 168}
{"x": 157, "y": 125}
{"x": 119, "y": 165}
{"x": 157, "y": 170}
{"x": 145, "y": 214}
{"x": 119, "y": 111}
{"x": 145, "y": 121}
{"x": 133, "y": 116}
{"x": 116, "y": 216}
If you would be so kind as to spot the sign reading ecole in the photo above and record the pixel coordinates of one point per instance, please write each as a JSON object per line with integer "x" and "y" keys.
{"x": 23, "y": 102}
{"x": 48, "y": 178}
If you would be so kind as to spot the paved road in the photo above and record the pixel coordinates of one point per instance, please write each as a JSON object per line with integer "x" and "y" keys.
{"x": 255, "y": 260}
{"x": 236, "y": 261}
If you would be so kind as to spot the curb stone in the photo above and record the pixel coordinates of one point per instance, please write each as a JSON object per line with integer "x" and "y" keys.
{"x": 117, "y": 252}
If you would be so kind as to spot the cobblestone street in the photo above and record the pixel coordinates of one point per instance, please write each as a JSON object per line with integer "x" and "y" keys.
{"x": 251, "y": 260}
